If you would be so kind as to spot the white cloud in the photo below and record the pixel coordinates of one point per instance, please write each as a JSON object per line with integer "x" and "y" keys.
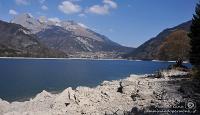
{"x": 55, "y": 19}
{"x": 82, "y": 15}
{"x": 75, "y": 0}
{"x": 22, "y": 2}
{"x": 111, "y": 3}
{"x": 42, "y": 1}
{"x": 13, "y": 12}
{"x": 82, "y": 25}
{"x": 103, "y": 9}
{"x": 44, "y": 7}
{"x": 69, "y": 8}
{"x": 97, "y": 9}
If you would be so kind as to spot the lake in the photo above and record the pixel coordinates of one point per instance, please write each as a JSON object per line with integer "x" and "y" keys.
{"x": 22, "y": 78}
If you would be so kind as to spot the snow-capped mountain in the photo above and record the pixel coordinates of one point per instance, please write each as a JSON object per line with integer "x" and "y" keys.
{"x": 68, "y": 36}
{"x": 17, "y": 41}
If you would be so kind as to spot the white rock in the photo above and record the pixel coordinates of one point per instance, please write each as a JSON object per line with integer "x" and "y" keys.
{"x": 173, "y": 73}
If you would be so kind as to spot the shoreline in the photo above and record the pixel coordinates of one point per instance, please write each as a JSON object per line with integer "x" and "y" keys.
{"x": 33, "y": 58}
{"x": 139, "y": 91}
{"x": 55, "y": 58}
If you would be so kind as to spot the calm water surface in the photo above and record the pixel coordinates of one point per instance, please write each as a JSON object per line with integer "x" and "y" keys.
{"x": 21, "y": 78}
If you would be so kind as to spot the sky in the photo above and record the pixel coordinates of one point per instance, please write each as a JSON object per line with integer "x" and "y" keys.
{"x": 127, "y": 22}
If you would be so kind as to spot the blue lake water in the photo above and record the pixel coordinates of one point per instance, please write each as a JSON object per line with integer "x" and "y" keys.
{"x": 21, "y": 78}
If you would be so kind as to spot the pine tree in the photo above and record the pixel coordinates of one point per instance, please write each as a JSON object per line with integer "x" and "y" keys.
{"x": 195, "y": 42}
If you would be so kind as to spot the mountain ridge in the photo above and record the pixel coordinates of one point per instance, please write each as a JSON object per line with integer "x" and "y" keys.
{"x": 150, "y": 50}
{"x": 17, "y": 41}
{"x": 68, "y": 36}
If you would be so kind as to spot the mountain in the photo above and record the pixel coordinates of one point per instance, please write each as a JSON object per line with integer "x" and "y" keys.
{"x": 170, "y": 44}
{"x": 68, "y": 36}
{"x": 17, "y": 41}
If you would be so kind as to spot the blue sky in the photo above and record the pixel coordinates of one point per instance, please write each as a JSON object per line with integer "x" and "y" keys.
{"x": 128, "y": 22}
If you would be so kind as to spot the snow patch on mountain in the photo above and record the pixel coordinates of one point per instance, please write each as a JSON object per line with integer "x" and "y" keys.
{"x": 82, "y": 25}
{"x": 85, "y": 43}
{"x": 67, "y": 36}
{"x": 36, "y": 25}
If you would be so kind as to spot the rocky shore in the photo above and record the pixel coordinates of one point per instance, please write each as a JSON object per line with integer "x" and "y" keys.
{"x": 173, "y": 92}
